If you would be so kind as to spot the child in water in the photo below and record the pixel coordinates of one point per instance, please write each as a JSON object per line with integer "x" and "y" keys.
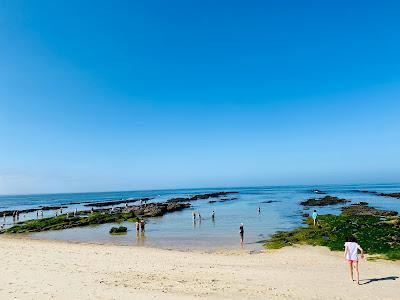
{"x": 137, "y": 226}
{"x": 351, "y": 248}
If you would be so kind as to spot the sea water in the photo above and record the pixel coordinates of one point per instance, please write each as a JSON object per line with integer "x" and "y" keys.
{"x": 280, "y": 209}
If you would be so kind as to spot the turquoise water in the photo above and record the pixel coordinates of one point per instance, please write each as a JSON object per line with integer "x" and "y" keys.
{"x": 178, "y": 231}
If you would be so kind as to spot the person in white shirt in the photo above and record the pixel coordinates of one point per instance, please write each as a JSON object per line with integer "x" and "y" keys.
{"x": 351, "y": 248}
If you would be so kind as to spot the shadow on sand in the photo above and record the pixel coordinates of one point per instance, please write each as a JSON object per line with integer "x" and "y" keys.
{"x": 378, "y": 279}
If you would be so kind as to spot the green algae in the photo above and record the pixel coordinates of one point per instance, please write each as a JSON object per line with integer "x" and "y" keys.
{"x": 379, "y": 236}
{"x": 64, "y": 222}
{"x": 118, "y": 230}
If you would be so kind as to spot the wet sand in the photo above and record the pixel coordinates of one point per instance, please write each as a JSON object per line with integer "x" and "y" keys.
{"x": 40, "y": 269}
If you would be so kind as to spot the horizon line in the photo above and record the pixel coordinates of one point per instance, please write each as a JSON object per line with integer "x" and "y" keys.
{"x": 200, "y": 188}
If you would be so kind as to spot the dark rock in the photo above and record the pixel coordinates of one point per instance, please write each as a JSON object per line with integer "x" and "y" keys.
{"x": 361, "y": 209}
{"x": 156, "y": 209}
{"x": 201, "y": 197}
{"x": 115, "y": 202}
{"x": 227, "y": 199}
{"x": 269, "y": 201}
{"x": 51, "y": 207}
{"x": 327, "y": 200}
{"x": 393, "y": 195}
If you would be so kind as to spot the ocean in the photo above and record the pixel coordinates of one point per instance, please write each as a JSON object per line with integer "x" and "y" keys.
{"x": 280, "y": 210}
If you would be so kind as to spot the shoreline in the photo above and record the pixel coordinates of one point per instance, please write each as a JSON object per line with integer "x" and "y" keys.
{"x": 27, "y": 237}
{"x": 63, "y": 270}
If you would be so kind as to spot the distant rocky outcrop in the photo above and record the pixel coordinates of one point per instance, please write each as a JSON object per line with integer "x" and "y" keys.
{"x": 115, "y": 202}
{"x": 201, "y": 197}
{"x": 227, "y": 199}
{"x": 327, "y": 200}
{"x": 393, "y": 195}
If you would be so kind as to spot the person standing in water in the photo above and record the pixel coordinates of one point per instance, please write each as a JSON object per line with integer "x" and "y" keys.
{"x": 351, "y": 248}
{"x": 142, "y": 225}
{"x": 241, "y": 232}
{"x": 137, "y": 226}
{"x": 213, "y": 215}
{"x": 314, "y": 216}
{"x": 259, "y": 210}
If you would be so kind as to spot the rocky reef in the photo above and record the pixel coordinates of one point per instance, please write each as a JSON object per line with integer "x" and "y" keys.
{"x": 327, "y": 200}
{"x": 96, "y": 217}
{"x": 377, "y": 231}
{"x": 201, "y": 197}
{"x": 29, "y": 210}
{"x": 156, "y": 209}
{"x": 115, "y": 202}
{"x": 362, "y": 209}
{"x": 393, "y": 195}
{"x": 65, "y": 222}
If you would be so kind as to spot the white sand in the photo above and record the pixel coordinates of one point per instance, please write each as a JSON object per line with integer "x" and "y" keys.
{"x": 32, "y": 269}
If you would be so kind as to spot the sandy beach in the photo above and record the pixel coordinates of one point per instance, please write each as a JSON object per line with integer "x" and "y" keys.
{"x": 39, "y": 269}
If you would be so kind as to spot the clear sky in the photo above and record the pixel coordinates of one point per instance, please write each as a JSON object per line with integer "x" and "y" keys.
{"x": 122, "y": 95}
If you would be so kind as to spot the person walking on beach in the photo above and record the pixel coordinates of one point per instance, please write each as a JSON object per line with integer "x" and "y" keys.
{"x": 4, "y": 217}
{"x": 37, "y": 214}
{"x": 241, "y": 232}
{"x": 194, "y": 216}
{"x": 213, "y": 215}
{"x": 314, "y": 216}
{"x": 351, "y": 248}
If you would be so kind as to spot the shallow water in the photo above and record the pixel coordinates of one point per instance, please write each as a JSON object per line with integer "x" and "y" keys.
{"x": 178, "y": 231}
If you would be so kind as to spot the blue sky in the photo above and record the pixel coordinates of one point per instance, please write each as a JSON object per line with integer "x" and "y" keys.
{"x": 122, "y": 95}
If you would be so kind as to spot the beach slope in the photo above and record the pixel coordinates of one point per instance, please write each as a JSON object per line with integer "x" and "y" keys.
{"x": 37, "y": 269}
